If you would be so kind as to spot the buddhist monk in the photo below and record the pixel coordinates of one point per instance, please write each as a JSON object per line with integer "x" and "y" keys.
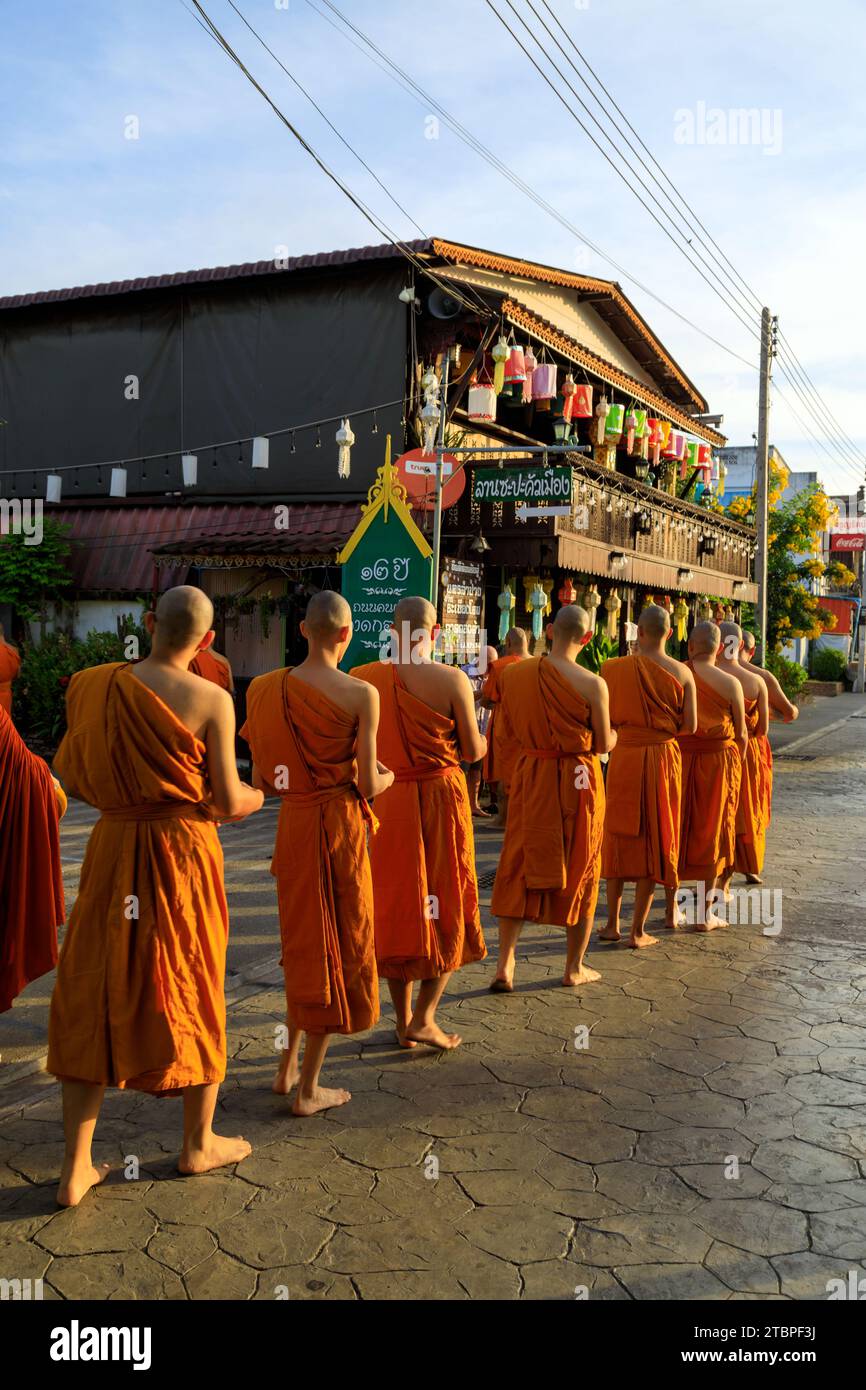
{"x": 312, "y": 731}
{"x": 423, "y": 856}
{"x": 780, "y": 707}
{"x": 652, "y": 700}
{"x": 712, "y": 765}
{"x": 31, "y": 879}
{"x": 501, "y": 751}
{"x": 139, "y": 1001}
{"x": 10, "y": 664}
{"x": 549, "y": 869}
{"x": 477, "y": 675}
{"x": 753, "y": 806}
{"x": 213, "y": 666}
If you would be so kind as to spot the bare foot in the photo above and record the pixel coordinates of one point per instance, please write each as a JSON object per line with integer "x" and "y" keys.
{"x": 402, "y": 1040}
{"x": 582, "y": 976}
{"x": 712, "y": 923}
{"x": 501, "y": 984}
{"x": 285, "y": 1080}
{"x": 75, "y": 1183}
{"x": 433, "y": 1036}
{"x": 753, "y": 878}
{"x": 679, "y": 920}
{"x": 637, "y": 943}
{"x": 320, "y": 1099}
{"x": 217, "y": 1152}
{"x": 477, "y": 811}
{"x": 610, "y": 934}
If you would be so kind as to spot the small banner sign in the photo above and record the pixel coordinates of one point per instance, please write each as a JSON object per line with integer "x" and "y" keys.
{"x": 522, "y": 484}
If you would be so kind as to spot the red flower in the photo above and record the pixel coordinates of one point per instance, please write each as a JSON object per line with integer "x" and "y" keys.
{"x": 63, "y": 681}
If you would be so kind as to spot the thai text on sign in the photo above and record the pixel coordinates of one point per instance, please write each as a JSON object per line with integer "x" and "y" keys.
{"x": 522, "y": 484}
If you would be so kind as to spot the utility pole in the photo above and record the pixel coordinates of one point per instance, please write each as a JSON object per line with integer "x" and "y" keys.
{"x": 437, "y": 514}
{"x": 762, "y": 465}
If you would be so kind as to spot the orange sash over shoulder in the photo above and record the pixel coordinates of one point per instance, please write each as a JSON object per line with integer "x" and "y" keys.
{"x": 304, "y": 745}
{"x": 501, "y": 749}
{"x": 206, "y": 665}
{"x": 644, "y": 780}
{"x": 139, "y": 1000}
{"x": 550, "y": 862}
{"x": 423, "y": 856}
{"x": 31, "y": 879}
{"x": 711, "y": 788}
{"x": 10, "y": 664}
{"x": 753, "y": 810}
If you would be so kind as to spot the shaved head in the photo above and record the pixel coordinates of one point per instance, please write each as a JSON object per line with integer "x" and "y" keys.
{"x": 183, "y": 616}
{"x": 489, "y": 655}
{"x": 655, "y": 621}
{"x": 571, "y": 623}
{"x": 749, "y": 640}
{"x": 705, "y": 638}
{"x": 418, "y": 612}
{"x": 327, "y": 614}
{"x": 515, "y": 642}
{"x": 731, "y": 630}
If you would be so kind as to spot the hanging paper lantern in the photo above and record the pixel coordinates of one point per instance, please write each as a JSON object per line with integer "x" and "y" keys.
{"x": 705, "y": 610}
{"x": 345, "y": 440}
{"x": 723, "y": 476}
{"x": 505, "y": 603}
{"x": 569, "y": 391}
{"x": 669, "y": 445}
{"x": 591, "y": 601}
{"x": 679, "y": 445}
{"x": 482, "y": 404}
{"x": 656, "y": 436}
{"x": 567, "y": 593}
{"x": 530, "y": 362}
{"x": 681, "y": 617}
{"x": 612, "y": 605}
{"x": 630, "y": 427}
{"x": 53, "y": 487}
{"x": 189, "y": 465}
{"x": 515, "y": 368}
{"x": 261, "y": 448}
{"x": 538, "y": 603}
{"x": 500, "y": 357}
{"x": 600, "y": 418}
{"x": 544, "y": 382}
{"x": 429, "y": 381}
{"x": 582, "y": 409}
{"x": 118, "y": 482}
{"x": 640, "y": 427}
{"x": 613, "y": 423}
{"x": 665, "y": 428}
{"x": 690, "y": 458}
{"x": 703, "y": 454}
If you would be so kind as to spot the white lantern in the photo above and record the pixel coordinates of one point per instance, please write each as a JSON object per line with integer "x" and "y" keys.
{"x": 482, "y": 404}
{"x": 53, "y": 487}
{"x": 189, "y": 464}
{"x": 345, "y": 440}
{"x": 260, "y": 452}
{"x": 118, "y": 482}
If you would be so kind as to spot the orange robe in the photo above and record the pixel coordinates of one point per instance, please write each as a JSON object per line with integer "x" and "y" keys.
{"x": 10, "y": 664}
{"x": 304, "y": 746}
{"x": 139, "y": 1001}
{"x": 711, "y": 788}
{"x": 211, "y": 669}
{"x": 501, "y": 750}
{"x": 644, "y": 779}
{"x": 31, "y": 879}
{"x": 551, "y": 859}
{"x": 753, "y": 807}
{"x": 423, "y": 856}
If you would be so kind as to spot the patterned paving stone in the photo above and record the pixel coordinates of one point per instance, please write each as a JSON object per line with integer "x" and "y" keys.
{"x": 742, "y": 1272}
{"x": 808, "y": 1275}
{"x": 645, "y": 1187}
{"x": 645, "y": 1238}
{"x": 686, "y": 1144}
{"x": 221, "y": 1278}
{"x": 518, "y": 1234}
{"x": 559, "y": 1281}
{"x": 840, "y": 1233}
{"x": 758, "y": 1226}
{"x": 274, "y": 1230}
{"x": 131, "y": 1275}
{"x": 98, "y": 1227}
{"x": 791, "y": 1160}
{"x": 666, "y": 1282}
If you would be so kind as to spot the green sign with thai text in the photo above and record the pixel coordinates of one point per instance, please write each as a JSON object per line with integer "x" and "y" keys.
{"x": 522, "y": 484}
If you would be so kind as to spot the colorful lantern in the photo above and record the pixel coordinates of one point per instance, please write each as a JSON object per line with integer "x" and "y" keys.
{"x": 681, "y": 617}
{"x": 705, "y": 610}
{"x": 569, "y": 391}
{"x": 612, "y": 605}
{"x": 530, "y": 362}
{"x": 538, "y": 603}
{"x": 690, "y": 458}
{"x": 614, "y": 423}
{"x": 656, "y": 438}
{"x": 500, "y": 357}
{"x": 482, "y": 403}
{"x": 515, "y": 368}
{"x": 591, "y": 600}
{"x": 669, "y": 444}
{"x": 505, "y": 603}
{"x": 723, "y": 476}
{"x": 600, "y": 419}
{"x": 567, "y": 593}
{"x": 544, "y": 382}
{"x": 345, "y": 440}
{"x": 704, "y": 455}
{"x": 630, "y": 427}
{"x": 582, "y": 409}
{"x": 640, "y": 427}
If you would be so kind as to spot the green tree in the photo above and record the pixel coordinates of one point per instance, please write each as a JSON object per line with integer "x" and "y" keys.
{"x": 32, "y": 575}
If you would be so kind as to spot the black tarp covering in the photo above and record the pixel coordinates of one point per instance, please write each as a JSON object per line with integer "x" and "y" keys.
{"x": 214, "y": 362}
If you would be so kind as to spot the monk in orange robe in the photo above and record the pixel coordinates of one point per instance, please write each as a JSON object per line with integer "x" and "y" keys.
{"x": 712, "y": 767}
{"x": 31, "y": 879}
{"x": 550, "y": 864}
{"x": 423, "y": 856}
{"x": 501, "y": 750}
{"x": 139, "y": 1001}
{"x": 753, "y": 807}
{"x": 652, "y": 700}
{"x": 10, "y": 664}
{"x": 213, "y": 666}
{"x": 780, "y": 707}
{"x": 312, "y": 731}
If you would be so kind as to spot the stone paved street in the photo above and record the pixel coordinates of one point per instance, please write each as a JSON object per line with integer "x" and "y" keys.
{"x": 708, "y": 1143}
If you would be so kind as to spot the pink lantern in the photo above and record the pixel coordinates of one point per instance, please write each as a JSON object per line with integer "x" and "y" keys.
{"x": 544, "y": 382}
{"x": 482, "y": 404}
{"x": 530, "y": 363}
{"x": 630, "y": 427}
{"x": 515, "y": 367}
{"x": 601, "y": 418}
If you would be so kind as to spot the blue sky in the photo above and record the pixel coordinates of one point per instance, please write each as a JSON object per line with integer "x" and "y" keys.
{"x": 214, "y": 178}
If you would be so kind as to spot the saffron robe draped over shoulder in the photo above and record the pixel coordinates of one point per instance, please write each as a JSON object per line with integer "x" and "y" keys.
{"x": 501, "y": 750}
{"x": 31, "y": 879}
{"x": 10, "y": 664}
{"x": 753, "y": 810}
{"x": 423, "y": 856}
{"x": 140, "y": 1000}
{"x": 644, "y": 779}
{"x": 551, "y": 858}
{"x": 210, "y": 668}
{"x": 711, "y": 788}
{"x": 304, "y": 745}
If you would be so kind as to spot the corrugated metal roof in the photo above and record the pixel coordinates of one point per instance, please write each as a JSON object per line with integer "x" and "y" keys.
{"x": 114, "y": 547}
{"x": 318, "y": 260}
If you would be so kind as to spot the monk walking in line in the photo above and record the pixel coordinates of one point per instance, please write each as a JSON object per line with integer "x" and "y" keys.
{"x": 423, "y": 856}
{"x": 753, "y": 807}
{"x": 712, "y": 767}
{"x": 652, "y": 700}
{"x": 549, "y": 870}
{"x": 31, "y": 879}
{"x": 10, "y": 665}
{"x": 312, "y": 731}
{"x": 213, "y": 666}
{"x": 780, "y": 707}
{"x": 501, "y": 750}
{"x": 139, "y": 1001}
